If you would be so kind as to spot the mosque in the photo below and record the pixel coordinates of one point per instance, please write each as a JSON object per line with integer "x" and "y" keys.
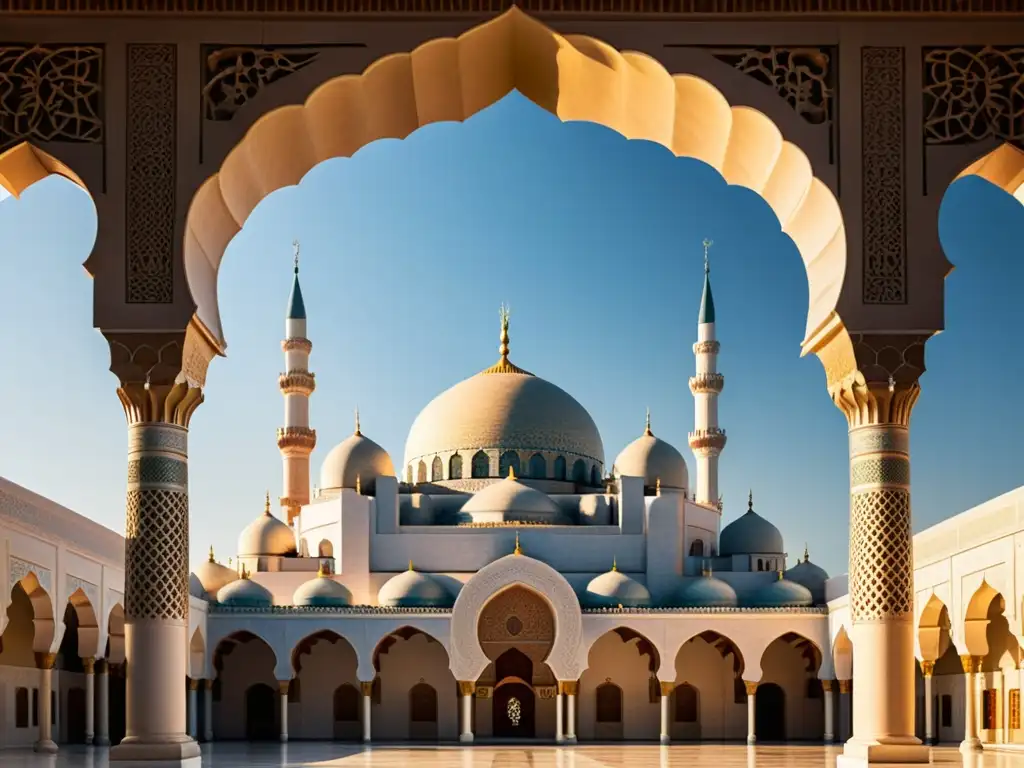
{"x": 502, "y": 583}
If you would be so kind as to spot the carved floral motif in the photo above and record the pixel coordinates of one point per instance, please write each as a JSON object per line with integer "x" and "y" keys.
{"x": 234, "y": 75}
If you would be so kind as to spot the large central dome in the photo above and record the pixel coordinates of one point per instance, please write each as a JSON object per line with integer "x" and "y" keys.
{"x": 506, "y": 409}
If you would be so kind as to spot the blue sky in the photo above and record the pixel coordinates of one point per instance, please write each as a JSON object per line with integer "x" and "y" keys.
{"x": 595, "y": 242}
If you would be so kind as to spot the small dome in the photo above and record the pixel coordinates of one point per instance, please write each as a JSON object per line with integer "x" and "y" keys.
{"x": 245, "y": 593}
{"x": 195, "y": 587}
{"x": 322, "y": 591}
{"x": 356, "y": 458}
{"x": 654, "y": 460}
{"x": 705, "y": 592}
{"x": 613, "y": 589}
{"x": 781, "y": 593}
{"x": 750, "y": 534}
{"x": 813, "y": 577}
{"x": 266, "y": 535}
{"x": 212, "y": 575}
{"x": 510, "y": 501}
{"x": 413, "y": 589}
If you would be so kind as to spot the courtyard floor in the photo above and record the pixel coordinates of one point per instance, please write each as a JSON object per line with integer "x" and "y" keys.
{"x": 296, "y": 754}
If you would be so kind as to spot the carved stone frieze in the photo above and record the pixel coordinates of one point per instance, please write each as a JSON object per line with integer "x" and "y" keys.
{"x": 90, "y": 590}
{"x": 883, "y": 185}
{"x": 235, "y": 74}
{"x": 50, "y": 93}
{"x": 885, "y": 386}
{"x": 19, "y": 569}
{"x": 151, "y": 136}
{"x": 803, "y": 76}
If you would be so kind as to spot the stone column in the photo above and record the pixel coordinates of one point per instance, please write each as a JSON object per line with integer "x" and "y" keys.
{"x": 845, "y": 710}
{"x": 559, "y": 716}
{"x": 102, "y": 738}
{"x": 466, "y": 691}
{"x": 927, "y": 670}
{"x": 826, "y": 688}
{"x": 367, "y": 689}
{"x": 569, "y": 688}
{"x": 159, "y": 398}
{"x": 877, "y": 397}
{"x": 751, "y": 711}
{"x": 971, "y": 741}
{"x": 89, "y": 664}
{"x": 208, "y": 710}
{"x": 282, "y": 687}
{"x": 45, "y": 663}
{"x": 666, "y": 693}
{"x": 193, "y": 715}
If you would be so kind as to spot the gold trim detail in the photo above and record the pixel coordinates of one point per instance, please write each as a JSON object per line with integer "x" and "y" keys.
{"x": 296, "y": 437}
{"x": 366, "y": 688}
{"x": 751, "y": 687}
{"x": 667, "y": 688}
{"x": 927, "y": 668}
{"x": 844, "y": 686}
{"x": 467, "y": 687}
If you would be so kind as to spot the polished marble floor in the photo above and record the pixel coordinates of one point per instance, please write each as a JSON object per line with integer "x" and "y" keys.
{"x": 327, "y": 755}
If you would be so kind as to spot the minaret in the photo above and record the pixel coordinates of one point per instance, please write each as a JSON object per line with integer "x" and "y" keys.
{"x": 296, "y": 440}
{"x": 707, "y": 440}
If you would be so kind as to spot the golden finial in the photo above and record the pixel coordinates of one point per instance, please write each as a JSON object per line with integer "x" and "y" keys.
{"x": 657, "y": 486}
{"x": 647, "y": 429}
{"x": 358, "y": 432}
{"x": 707, "y": 247}
{"x": 503, "y": 313}
{"x": 615, "y": 563}
{"x": 245, "y": 572}
{"x": 295, "y": 248}
{"x": 750, "y": 501}
{"x": 518, "y": 550}
{"x": 322, "y": 570}
{"x": 211, "y": 554}
{"x": 359, "y": 485}
{"x": 511, "y": 473}
{"x": 410, "y": 565}
{"x": 266, "y": 505}
{"x": 229, "y": 562}
{"x": 807, "y": 555}
{"x": 780, "y": 574}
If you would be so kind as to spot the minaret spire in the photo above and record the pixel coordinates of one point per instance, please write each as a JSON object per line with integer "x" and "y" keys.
{"x": 295, "y": 439}
{"x": 647, "y": 429}
{"x": 504, "y": 365}
{"x": 358, "y": 431}
{"x": 707, "y": 439}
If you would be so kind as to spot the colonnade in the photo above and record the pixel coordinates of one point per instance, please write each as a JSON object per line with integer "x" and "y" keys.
{"x": 195, "y": 731}
{"x": 97, "y": 702}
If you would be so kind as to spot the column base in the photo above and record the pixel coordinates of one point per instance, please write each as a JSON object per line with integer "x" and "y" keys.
{"x": 970, "y": 745}
{"x": 830, "y": 740}
{"x": 284, "y": 738}
{"x": 751, "y": 740}
{"x": 466, "y": 738}
{"x": 101, "y": 741}
{"x": 89, "y": 740}
{"x": 907, "y": 751}
{"x": 570, "y": 739}
{"x": 664, "y": 738}
{"x": 132, "y": 752}
{"x": 48, "y": 747}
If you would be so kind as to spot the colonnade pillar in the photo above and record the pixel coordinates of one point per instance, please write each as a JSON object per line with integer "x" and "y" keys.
{"x": 971, "y": 741}
{"x": 927, "y": 670}
{"x": 208, "y": 710}
{"x": 282, "y": 687}
{"x": 559, "y": 716}
{"x": 45, "y": 663}
{"x": 826, "y": 687}
{"x": 367, "y": 690}
{"x": 159, "y": 397}
{"x": 877, "y": 393}
{"x": 89, "y": 665}
{"x": 570, "y": 688}
{"x": 102, "y": 737}
{"x": 751, "y": 711}
{"x": 190, "y": 707}
{"x": 666, "y": 693}
{"x": 466, "y": 691}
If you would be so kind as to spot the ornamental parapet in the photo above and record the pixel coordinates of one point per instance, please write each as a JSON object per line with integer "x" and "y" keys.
{"x": 379, "y": 610}
{"x": 297, "y": 382}
{"x": 707, "y": 382}
{"x": 706, "y": 348}
{"x": 296, "y": 437}
{"x": 297, "y": 344}
{"x": 707, "y": 440}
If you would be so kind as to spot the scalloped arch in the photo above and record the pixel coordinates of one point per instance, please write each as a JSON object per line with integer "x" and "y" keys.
{"x": 576, "y": 78}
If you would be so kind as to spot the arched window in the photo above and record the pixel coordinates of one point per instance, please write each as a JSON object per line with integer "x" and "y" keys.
{"x": 579, "y": 472}
{"x": 423, "y": 704}
{"x": 560, "y": 468}
{"x": 508, "y": 460}
{"x": 21, "y": 708}
{"x": 455, "y": 467}
{"x": 760, "y": 564}
{"x": 481, "y": 465}
{"x": 538, "y": 467}
{"x": 609, "y": 703}
{"x": 686, "y": 703}
{"x": 697, "y": 548}
{"x": 325, "y": 549}
{"x": 436, "y": 469}
{"x": 595, "y": 476}
{"x": 346, "y": 704}
{"x": 421, "y": 472}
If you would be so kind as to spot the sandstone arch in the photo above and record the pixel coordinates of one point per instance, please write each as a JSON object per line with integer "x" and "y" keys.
{"x": 933, "y": 630}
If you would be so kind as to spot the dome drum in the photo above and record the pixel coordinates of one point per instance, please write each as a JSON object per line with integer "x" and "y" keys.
{"x": 470, "y": 469}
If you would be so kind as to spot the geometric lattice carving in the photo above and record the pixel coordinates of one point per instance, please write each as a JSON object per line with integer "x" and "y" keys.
{"x": 22, "y": 568}
{"x": 882, "y": 171}
{"x": 150, "y": 187}
{"x": 880, "y": 470}
{"x": 158, "y": 469}
{"x": 801, "y": 76}
{"x": 517, "y": 615}
{"x": 236, "y": 74}
{"x": 973, "y": 93}
{"x": 50, "y": 94}
{"x": 156, "y": 554}
{"x": 888, "y": 440}
{"x": 881, "y": 572}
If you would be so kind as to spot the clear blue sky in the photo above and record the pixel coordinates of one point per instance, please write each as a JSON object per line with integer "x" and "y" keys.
{"x": 408, "y": 250}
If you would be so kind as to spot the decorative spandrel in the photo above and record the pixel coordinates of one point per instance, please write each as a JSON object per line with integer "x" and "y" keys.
{"x": 804, "y": 76}
{"x": 50, "y": 94}
{"x": 973, "y": 93}
{"x": 236, "y": 74}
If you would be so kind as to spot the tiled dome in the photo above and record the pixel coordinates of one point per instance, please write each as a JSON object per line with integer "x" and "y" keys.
{"x": 412, "y": 589}
{"x": 751, "y": 534}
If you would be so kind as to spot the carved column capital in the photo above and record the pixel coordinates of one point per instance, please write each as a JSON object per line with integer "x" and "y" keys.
{"x": 207, "y": 684}
{"x": 750, "y": 686}
{"x": 568, "y": 687}
{"x": 466, "y": 687}
{"x": 969, "y": 664}
{"x": 826, "y": 685}
{"x": 193, "y": 684}
{"x": 46, "y": 660}
{"x": 927, "y": 668}
{"x": 844, "y": 686}
{"x": 366, "y": 688}
{"x": 283, "y": 686}
{"x": 89, "y": 665}
{"x": 667, "y": 688}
